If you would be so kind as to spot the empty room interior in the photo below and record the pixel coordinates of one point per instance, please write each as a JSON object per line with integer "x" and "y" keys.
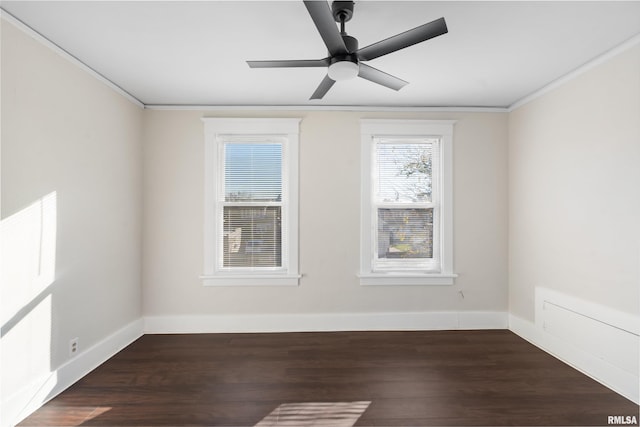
{"x": 263, "y": 213}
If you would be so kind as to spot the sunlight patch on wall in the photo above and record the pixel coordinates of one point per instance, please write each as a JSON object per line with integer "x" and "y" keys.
{"x": 26, "y": 349}
{"x": 28, "y": 254}
{"x": 326, "y": 414}
{"x": 27, "y": 270}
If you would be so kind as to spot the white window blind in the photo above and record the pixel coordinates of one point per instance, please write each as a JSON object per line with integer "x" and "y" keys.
{"x": 252, "y": 237}
{"x": 252, "y": 172}
{"x": 405, "y": 170}
{"x": 252, "y": 206}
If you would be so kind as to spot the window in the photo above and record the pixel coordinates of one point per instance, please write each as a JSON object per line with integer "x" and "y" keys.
{"x": 251, "y": 209}
{"x": 406, "y": 234}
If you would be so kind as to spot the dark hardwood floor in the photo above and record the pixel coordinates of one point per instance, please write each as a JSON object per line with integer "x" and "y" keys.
{"x": 440, "y": 378}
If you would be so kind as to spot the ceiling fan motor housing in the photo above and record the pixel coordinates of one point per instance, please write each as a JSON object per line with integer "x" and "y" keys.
{"x": 350, "y": 42}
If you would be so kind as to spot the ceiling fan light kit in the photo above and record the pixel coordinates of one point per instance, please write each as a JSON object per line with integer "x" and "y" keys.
{"x": 345, "y": 60}
{"x": 343, "y": 70}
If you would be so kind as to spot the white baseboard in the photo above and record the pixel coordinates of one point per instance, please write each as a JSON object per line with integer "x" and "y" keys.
{"x": 600, "y": 350}
{"x": 443, "y": 320}
{"x": 23, "y": 403}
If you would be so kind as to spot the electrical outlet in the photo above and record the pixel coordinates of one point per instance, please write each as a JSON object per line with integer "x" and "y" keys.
{"x": 73, "y": 346}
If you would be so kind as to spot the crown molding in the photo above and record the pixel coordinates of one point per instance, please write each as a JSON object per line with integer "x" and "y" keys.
{"x": 362, "y": 108}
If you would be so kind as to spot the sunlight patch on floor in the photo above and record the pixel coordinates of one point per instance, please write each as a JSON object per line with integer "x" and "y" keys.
{"x": 316, "y": 414}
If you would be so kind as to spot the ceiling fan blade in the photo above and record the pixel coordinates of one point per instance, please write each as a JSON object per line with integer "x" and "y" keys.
{"x": 324, "y": 87}
{"x": 402, "y": 40}
{"x": 325, "y": 23}
{"x": 289, "y": 63}
{"x": 380, "y": 77}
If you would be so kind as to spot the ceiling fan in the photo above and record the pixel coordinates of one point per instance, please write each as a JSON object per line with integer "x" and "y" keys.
{"x": 345, "y": 60}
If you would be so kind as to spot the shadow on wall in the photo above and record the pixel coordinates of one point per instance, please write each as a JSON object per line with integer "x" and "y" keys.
{"x": 27, "y": 276}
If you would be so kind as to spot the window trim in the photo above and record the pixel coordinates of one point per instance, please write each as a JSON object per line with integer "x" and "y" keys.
{"x": 217, "y": 132}
{"x": 372, "y": 129}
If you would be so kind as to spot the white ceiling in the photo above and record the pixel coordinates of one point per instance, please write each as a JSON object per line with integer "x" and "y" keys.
{"x": 194, "y": 53}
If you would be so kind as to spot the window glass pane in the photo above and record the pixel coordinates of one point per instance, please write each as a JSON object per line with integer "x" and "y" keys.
{"x": 252, "y": 236}
{"x": 404, "y": 172}
{"x": 253, "y": 172}
{"x": 405, "y": 233}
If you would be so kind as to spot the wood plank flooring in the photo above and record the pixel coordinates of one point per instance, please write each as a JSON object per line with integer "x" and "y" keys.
{"x": 435, "y": 378}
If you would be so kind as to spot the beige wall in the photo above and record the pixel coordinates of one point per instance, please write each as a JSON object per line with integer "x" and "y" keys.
{"x": 71, "y": 210}
{"x": 574, "y": 190}
{"x": 329, "y": 220}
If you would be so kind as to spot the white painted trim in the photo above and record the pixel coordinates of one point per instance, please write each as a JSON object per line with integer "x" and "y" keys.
{"x": 619, "y": 380}
{"x": 23, "y": 403}
{"x": 409, "y": 127}
{"x": 433, "y": 320}
{"x": 252, "y": 280}
{"x": 472, "y": 320}
{"x": 625, "y": 321}
{"x": 382, "y": 279}
{"x": 628, "y": 44}
{"x": 69, "y": 57}
{"x": 357, "y": 108}
{"x": 251, "y": 125}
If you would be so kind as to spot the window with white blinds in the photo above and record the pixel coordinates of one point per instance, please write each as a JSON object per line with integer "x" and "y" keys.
{"x": 406, "y": 234}
{"x": 251, "y": 201}
{"x": 252, "y": 205}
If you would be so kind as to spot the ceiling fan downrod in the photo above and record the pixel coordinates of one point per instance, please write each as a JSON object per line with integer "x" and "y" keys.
{"x": 342, "y": 12}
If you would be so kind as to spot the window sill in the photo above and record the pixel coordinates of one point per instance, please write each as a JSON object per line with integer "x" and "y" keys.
{"x": 409, "y": 279}
{"x": 251, "y": 280}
